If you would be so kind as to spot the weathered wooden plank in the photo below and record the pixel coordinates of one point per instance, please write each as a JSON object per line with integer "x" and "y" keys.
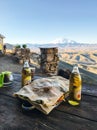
{"x": 61, "y": 121}
{"x": 86, "y": 110}
{"x": 89, "y": 89}
{"x": 83, "y": 117}
{"x": 12, "y": 116}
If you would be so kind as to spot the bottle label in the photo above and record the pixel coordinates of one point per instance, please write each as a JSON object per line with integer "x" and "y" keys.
{"x": 26, "y": 77}
{"x": 27, "y": 80}
{"x": 77, "y": 93}
{"x": 75, "y": 87}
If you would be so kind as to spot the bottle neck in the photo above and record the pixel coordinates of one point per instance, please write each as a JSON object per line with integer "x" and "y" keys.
{"x": 26, "y": 64}
{"x": 75, "y": 70}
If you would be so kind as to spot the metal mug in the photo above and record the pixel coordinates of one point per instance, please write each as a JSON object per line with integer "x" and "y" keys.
{"x": 6, "y": 78}
{"x": 1, "y": 80}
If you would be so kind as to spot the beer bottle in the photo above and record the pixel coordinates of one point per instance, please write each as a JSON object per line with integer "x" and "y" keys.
{"x": 75, "y": 86}
{"x": 26, "y": 74}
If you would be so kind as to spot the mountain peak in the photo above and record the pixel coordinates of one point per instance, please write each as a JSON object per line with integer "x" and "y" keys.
{"x": 62, "y": 40}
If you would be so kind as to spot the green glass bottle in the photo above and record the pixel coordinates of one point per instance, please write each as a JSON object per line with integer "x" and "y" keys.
{"x": 75, "y": 86}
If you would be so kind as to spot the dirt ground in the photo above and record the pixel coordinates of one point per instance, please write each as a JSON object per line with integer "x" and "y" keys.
{"x": 7, "y": 63}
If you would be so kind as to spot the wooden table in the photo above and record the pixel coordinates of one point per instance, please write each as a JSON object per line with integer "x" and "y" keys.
{"x": 64, "y": 117}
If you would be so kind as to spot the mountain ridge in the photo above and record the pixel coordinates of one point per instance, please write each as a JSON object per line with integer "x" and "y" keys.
{"x": 60, "y": 43}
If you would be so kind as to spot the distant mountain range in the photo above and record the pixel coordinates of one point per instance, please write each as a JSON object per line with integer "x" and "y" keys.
{"x": 60, "y": 43}
{"x": 9, "y": 46}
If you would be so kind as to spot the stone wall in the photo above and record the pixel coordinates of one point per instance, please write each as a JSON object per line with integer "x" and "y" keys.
{"x": 22, "y": 54}
{"x": 49, "y": 60}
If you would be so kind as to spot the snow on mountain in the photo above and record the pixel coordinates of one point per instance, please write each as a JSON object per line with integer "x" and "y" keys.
{"x": 62, "y": 40}
{"x": 62, "y": 43}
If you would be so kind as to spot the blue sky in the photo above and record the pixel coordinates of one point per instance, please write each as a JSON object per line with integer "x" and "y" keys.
{"x": 42, "y": 21}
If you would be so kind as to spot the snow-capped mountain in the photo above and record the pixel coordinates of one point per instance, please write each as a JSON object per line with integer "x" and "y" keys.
{"x": 62, "y": 40}
{"x": 63, "y": 43}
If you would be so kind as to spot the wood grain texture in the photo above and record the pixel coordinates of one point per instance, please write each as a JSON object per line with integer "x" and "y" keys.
{"x": 63, "y": 117}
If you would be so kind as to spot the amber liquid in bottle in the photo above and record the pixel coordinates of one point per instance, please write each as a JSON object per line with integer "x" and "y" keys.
{"x": 75, "y": 87}
{"x": 26, "y": 74}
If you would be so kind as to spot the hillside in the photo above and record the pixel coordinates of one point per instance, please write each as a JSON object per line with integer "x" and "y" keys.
{"x": 85, "y": 60}
{"x": 7, "y": 63}
{"x": 62, "y": 44}
{"x": 85, "y": 55}
{"x": 87, "y": 77}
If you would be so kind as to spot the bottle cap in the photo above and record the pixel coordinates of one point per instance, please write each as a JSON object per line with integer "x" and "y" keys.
{"x": 75, "y": 69}
{"x": 26, "y": 64}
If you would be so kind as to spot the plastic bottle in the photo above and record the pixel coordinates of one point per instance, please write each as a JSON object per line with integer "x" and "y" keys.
{"x": 26, "y": 74}
{"x": 75, "y": 86}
